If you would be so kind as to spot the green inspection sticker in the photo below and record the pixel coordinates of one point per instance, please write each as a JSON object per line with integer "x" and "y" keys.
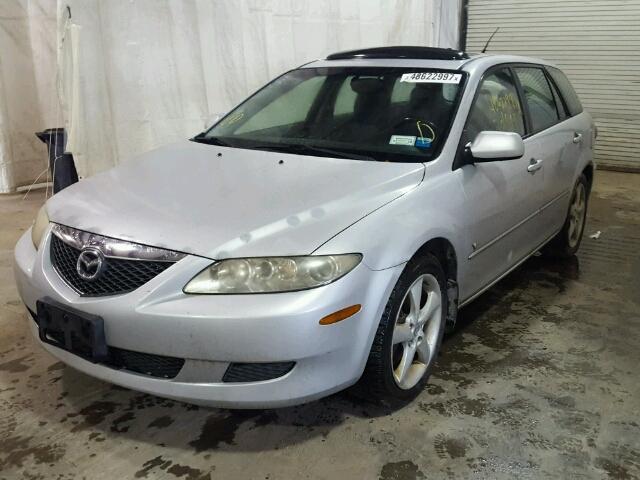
{"x": 405, "y": 140}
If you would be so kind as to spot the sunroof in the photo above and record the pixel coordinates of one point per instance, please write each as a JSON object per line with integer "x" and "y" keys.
{"x": 426, "y": 53}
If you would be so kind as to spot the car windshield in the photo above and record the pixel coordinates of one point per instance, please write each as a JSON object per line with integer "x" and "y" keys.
{"x": 365, "y": 113}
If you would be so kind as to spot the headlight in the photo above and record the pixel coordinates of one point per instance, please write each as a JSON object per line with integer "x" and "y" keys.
{"x": 39, "y": 226}
{"x": 271, "y": 274}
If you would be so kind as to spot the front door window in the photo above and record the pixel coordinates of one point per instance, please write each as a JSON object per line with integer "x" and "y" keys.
{"x": 496, "y": 107}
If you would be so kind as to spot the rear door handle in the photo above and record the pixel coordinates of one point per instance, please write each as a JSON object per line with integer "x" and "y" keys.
{"x": 577, "y": 137}
{"x": 534, "y": 165}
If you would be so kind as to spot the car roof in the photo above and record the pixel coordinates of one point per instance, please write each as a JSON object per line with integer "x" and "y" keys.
{"x": 420, "y": 57}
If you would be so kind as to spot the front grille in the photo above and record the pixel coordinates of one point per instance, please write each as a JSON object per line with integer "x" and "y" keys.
{"x": 256, "y": 372}
{"x": 119, "y": 276}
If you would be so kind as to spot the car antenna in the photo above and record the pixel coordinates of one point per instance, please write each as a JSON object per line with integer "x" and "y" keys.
{"x": 486, "y": 45}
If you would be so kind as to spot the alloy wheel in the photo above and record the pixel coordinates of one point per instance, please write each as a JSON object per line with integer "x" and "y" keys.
{"x": 416, "y": 330}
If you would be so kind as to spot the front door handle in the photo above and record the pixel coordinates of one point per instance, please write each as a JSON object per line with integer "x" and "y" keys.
{"x": 577, "y": 137}
{"x": 534, "y": 165}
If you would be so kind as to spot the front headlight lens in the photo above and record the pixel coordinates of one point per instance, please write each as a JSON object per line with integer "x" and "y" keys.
{"x": 272, "y": 274}
{"x": 39, "y": 226}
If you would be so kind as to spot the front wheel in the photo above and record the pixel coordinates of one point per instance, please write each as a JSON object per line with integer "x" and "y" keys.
{"x": 409, "y": 333}
{"x": 567, "y": 242}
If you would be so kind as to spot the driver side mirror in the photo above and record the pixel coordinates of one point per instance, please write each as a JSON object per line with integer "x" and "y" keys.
{"x": 491, "y": 146}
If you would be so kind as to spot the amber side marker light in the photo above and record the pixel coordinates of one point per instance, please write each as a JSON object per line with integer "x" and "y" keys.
{"x": 340, "y": 315}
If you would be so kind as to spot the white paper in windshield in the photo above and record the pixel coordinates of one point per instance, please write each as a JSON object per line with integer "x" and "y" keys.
{"x": 431, "y": 77}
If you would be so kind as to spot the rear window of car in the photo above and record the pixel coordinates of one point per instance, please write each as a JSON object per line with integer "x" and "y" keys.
{"x": 539, "y": 98}
{"x": 566, "y": 90}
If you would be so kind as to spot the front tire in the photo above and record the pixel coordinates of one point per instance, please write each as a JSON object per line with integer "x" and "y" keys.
{"x": 409, "y": 334}
{"x": 567, "y": 242}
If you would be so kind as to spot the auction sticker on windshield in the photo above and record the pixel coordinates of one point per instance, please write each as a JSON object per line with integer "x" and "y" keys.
{"x": 431, "y": 77}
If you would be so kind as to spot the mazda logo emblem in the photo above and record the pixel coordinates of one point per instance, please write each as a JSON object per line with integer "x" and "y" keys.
{"x": 90, "y": 264}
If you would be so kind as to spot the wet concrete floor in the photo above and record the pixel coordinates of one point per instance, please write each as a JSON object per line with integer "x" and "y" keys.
{"x": 539, "y": 381}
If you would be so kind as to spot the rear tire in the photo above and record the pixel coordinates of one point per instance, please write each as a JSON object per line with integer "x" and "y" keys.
{"x": 409, "y": 334}
{"x": 567, "y": 242}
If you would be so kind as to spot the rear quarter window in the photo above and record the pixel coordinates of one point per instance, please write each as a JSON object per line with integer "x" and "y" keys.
{"x": 566, "y": 90}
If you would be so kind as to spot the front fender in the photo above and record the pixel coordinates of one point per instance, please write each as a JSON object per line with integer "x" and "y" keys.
{"x": 392, "y": 234}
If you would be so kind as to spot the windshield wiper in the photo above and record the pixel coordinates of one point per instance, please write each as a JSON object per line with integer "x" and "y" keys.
{"x": 311, "y": 149}
{"x": 338, "y": 153}
{"x": 202, "y": 138}
{"x": 286, "y": 148}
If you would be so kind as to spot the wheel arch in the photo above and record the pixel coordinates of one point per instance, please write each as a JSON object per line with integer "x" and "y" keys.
{"x": 445, "y": 252}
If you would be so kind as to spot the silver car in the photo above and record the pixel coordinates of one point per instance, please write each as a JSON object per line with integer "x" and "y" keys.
{"x": 324, "y": 232}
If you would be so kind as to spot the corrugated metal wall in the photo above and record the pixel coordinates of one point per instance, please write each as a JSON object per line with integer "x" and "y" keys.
{"x": 595, "y": 42}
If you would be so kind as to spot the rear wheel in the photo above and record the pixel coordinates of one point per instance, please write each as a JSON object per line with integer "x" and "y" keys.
{"x": 409, "y": 334}
{"x": 567, "y": 242}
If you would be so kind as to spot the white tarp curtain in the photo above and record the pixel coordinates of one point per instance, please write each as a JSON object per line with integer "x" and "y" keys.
{"x": 134, "y": 75}
{"x": 28, "y": 100}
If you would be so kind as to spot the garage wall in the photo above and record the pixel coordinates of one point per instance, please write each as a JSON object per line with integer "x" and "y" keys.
{"x": 28, "y": 101}
{"x": 596, "y": 43}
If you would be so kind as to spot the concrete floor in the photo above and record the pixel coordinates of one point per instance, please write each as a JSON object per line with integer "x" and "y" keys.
{"x": 539, "y": 381}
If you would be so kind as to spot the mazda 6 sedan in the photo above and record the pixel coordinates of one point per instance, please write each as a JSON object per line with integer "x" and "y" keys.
{"x": 323, "y": 233}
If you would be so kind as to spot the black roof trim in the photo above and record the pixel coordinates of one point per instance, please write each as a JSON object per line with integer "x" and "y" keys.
{"x": 422, "y": 53}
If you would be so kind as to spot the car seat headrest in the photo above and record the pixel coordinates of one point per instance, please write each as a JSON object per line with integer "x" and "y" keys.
{"x": 366, "y": 85}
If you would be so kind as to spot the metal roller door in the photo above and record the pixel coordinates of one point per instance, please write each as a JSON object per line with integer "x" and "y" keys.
{"x": 595, "y": 42}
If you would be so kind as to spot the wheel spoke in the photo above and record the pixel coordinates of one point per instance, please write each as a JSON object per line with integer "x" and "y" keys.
{"x": 579, "y": 201}
{"x": 405, "y": 364}
{"x": 415, "y": 297}
{"x": 574, "y": 210}
{"x": 423, "y": 352}
{"x": 401, "y": 333}
{"x": 433, "y": 303}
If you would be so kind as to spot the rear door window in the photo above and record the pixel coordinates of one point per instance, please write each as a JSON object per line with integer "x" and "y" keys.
{"x": 538, "y": 97}
{"x": 346, "y": 99}
{"x": 566, "y": 90}
{"x": 562, "y": 110}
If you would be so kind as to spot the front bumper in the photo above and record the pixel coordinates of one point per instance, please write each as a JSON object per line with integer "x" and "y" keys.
{"x": 211, "y": 331}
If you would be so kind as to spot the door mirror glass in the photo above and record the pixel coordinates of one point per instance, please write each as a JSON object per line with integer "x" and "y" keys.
{"x": 491, "y": 146}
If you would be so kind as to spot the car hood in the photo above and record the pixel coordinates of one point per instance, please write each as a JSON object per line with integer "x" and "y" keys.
{"x": 221, "y": 202}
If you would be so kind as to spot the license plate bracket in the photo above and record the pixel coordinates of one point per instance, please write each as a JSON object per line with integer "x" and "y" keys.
{"x": 77, "y": 332}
